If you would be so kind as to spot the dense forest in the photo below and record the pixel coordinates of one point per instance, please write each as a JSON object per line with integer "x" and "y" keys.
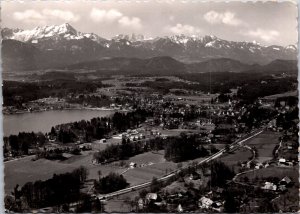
{"x": 110, "y": 183}
{"x": 17, "y": 93}
{"x": 128, "y": 149}
{"x": 185, "y": 147}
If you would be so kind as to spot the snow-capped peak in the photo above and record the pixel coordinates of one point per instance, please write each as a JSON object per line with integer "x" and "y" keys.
{"x": 65, "y": 30}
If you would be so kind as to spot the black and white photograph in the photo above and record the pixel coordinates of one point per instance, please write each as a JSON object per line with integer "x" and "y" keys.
{"x": 150, "y": 106}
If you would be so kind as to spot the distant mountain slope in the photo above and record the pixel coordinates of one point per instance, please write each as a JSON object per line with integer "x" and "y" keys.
{"x": 18, "y": 55}
{"x": 156, "y": 65}
{"x": 61, "y": 45}
{"x": 281, "y": 66}
{"x": 220, "y": 65}
{"x": 169, "y": 66}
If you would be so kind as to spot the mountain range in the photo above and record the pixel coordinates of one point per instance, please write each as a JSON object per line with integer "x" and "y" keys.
{"x": 165, "y": 65}
{"x": 64, "y": 46}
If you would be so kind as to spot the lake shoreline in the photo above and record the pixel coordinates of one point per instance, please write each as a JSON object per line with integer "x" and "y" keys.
{"x": 42, "y": 121}
{"x": 74, "y": 108}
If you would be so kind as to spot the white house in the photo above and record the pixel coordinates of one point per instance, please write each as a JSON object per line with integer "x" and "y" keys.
{"x": 132, "y": 165}
{"x": 205, "y": 202}
{"x": 269, "y": 186}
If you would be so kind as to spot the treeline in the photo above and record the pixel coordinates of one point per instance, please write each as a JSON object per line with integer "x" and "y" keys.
{"x": 110, "y": 183}
{"x": 221, "y": 82}
{"x": 220, "y": 174}
{"x": 21, "y": 143}
{"x": 98, "y": 128}
{"x": 127, "y": 149}
{"x": 17, "y": 93}
{"x": 92, "y": 100}
{"x": 123, "y": 121}
{"x": 266, "y": 87}
{"x": 176, "y": 149}
{"x": 255, "y": 115}
{"x": 58, "y": 190}
{"x": 185, "y": 147}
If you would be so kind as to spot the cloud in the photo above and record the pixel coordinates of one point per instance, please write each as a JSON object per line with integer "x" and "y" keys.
{"x": 98, "y": 15}
{"x": 41, "y": 18}
{"x": 29, "y": 16}
{"x": 183, "y": 29}
{"x": 227, "y": 18}
{"x": 133, "y": 22}
{"x": 65, "y": 15}
{"x": 265, "y": 35}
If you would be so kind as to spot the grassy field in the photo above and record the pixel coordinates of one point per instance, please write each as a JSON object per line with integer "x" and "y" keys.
{"x": 158, "y": 167}
{"x": 286, "y": 94}
{"x": 25, "y": 170}
{"x": 231, "y": 160}
{"x": 279, "y": 172}
{"x": 265, "y": 143}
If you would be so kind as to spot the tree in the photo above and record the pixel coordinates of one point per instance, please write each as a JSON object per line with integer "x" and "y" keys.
{"x": 53, "y": 132}
{"x": 227, "y": 148}
{"x": 143, "y": 193}
{"x": 99, "y": 174}
{"x": 155, "y": 185}
{"x": 110, "y": 183}
{"x": 220, "y": 173}
{"x": 230, "y": 205}
{"x": 82, "y": 173}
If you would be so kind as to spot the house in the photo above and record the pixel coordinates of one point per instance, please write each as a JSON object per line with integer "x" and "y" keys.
{"x": 102, "y": 140}
{"x": 179, "y": 208}
{"x": 269, "y": 186}
{"x": 205, "y": 202}
{"x": 140, "y": 203}
{"x": 151, "y": 197}
{"x": 194, "y": 176}
{"x": 282, "y": 162}
{"x": 259, "y": 166}
{"x": 132, "y": 165}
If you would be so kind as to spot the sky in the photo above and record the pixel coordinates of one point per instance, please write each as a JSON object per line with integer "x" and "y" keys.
{"x": 267, "y": 23}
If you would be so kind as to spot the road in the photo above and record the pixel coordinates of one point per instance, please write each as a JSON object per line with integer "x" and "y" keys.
{"x": 206, "y": 160}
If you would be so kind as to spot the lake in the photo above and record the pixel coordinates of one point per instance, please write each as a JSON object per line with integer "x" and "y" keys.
{"x": 43, "y": 121}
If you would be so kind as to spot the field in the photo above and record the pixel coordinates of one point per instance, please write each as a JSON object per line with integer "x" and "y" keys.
{"x": 239, "y": 155}
{"x": 264, "y": 143}
{"x": 279, "y": 172}
{"x": 155, "y": 166}
{"x": 286, "y": 94}
{"x": 25, "y": 170}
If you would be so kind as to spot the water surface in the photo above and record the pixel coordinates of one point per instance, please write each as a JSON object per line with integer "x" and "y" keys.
{"x": 43, "y": 121}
